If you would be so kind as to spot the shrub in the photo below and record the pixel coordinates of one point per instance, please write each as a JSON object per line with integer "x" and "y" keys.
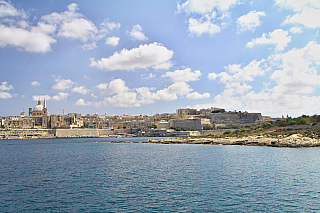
{"x": 227, "y": 132}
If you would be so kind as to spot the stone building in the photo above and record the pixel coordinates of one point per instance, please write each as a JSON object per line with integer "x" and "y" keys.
{"x": 40, "y": 115}
{"x": 191, "y": 124}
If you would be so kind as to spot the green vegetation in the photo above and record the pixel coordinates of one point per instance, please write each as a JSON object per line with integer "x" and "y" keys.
{"x": 277, "y": 128}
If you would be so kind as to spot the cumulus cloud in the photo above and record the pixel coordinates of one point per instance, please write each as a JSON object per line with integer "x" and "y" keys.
{"x": 102, "y": 86}
{"x": 294, "y": 76}
{"x": 39, "y": 38}
{"x": 295, "y": 30}
{"x": 298, "y": 5}
{"x": 62, "y": 84}
{"x": 297, "y": 70}
{"x": 107, "y": 26}
{"x": 122, "y": 99}
{"x": 81, "y": 102}
{"x": 72, "y": 24}
{"x": 205, "y": 6}
{"x": 185, "y": 75}
{"x": 35, "y": 39}
{"x": 212, "y": 76}
{"x": 5, "y": 95}
{"x": 149, "y": 55}
{"x": 309, "y": 17}
{"x": 306, "y": 12}
{"x": 35, "y": 83}
{"x": 199, "y": 27}
{"x": 80, "y": 89}
{"x": 173, "y": 91}
{"x": 278, "y": 37}
{"x": 117, "y": 93}
{"x": 113, "y": 41}
{"x": 196, "y": 95}
{"x": 60, "y": 96}
{"x": 115, "y": 86}
{"x": 41, "y": 97}
{"x": 249, "y": 21}
{"x": 204, "y": 15}
{"x": 5, "y": 87}
{"x": 136, "y": 34}
{"x": 7, "y": 9}
{"x": 80, "y": 28}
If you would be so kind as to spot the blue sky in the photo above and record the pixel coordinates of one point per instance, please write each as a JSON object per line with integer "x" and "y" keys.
{"x": 146, "y": 57}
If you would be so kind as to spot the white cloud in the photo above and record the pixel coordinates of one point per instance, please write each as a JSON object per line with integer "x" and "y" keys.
{"x": 309, "y": 17}
{"x": 199, "y": 27}
{"x": 62, "y": 84}
{"x": 41, "y": 97}
{"x": 34, "y": 40}
{"x": 196, "y": 95}
{"x": 113, "y": 41}
{"x": 80, "y": 89}
{"x": 149, "y": 55}
{"x": 5, "y": 86}
{"x": 73, "y": 25}
{"x": 185, "y": 75}
{"x": 295, "y": 30}
{"x": 115, "y": 86}
{"x": 5, "y": 95}
{"x": 60, "y": 96}
{"x": 298, "y": 5}
{"x": 136, "y": 34}
{"x": 212, "y": 76}
{"x": 116, "y": 93}
{"x": 278, "y": 37}
{"x": 249, "y": 21}
{"x": 81, "y": 102}
{"x": 35, "y": 83}
{"x": 73, "y": 7}
{"x": 89, "y": 46}
{"x": 80, "y": 28}
{"x": 297, "y": 73}
{"x": 236, "y": 74}
{"x": 123, "y": 99}
{"x": 294, "y": 76}
{"x": 205, "y": 6}
{"x": 173, "y": 91}
{"x": 108, "y": 26}
{"x": 7, "y": 9}
{"x": 102, "y": 86}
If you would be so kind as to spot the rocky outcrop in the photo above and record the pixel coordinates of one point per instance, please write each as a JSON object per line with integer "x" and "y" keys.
{"x": 290, "y": 141}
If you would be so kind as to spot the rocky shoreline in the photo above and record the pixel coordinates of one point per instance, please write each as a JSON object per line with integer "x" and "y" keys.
{"x": 293, "y": 141}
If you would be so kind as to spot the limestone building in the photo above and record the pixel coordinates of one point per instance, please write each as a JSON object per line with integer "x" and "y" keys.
{"x": 40, "y": 114}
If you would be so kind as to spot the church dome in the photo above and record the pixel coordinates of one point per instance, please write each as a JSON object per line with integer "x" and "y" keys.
{"x": 38, "y": 108}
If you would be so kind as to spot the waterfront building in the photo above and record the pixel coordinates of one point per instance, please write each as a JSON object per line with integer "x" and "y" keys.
{"x": 40, "y": 115}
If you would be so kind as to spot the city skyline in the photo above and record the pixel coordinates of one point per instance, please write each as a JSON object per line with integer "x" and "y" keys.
{"x": 139, "y": 57}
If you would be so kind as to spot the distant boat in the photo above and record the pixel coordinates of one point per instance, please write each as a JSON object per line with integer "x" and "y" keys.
{"x": 119, "y": 136}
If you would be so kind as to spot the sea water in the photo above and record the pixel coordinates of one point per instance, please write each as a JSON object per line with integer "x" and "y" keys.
{"x": 94, "y": 175}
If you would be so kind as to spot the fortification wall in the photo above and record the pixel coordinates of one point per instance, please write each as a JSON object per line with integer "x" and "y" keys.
{"x": 189, "y": 124}
{"x": 76, "y": 132}
{"x": 24, "y": 132}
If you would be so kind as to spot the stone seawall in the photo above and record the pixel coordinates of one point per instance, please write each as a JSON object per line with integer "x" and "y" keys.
{"x": 76, "y": 133}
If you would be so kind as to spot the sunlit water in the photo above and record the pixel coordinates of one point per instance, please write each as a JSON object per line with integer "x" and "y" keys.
{"x": 92, "y": 175}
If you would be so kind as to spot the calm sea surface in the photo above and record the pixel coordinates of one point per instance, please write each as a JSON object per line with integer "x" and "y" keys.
{"x": 94, "y": 175}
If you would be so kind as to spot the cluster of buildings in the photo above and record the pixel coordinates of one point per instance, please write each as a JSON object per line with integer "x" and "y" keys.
{"x": 183, "y": 120}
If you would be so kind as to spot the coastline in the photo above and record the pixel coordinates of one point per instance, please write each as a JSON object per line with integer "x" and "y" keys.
{"x": 292, "y": 141}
